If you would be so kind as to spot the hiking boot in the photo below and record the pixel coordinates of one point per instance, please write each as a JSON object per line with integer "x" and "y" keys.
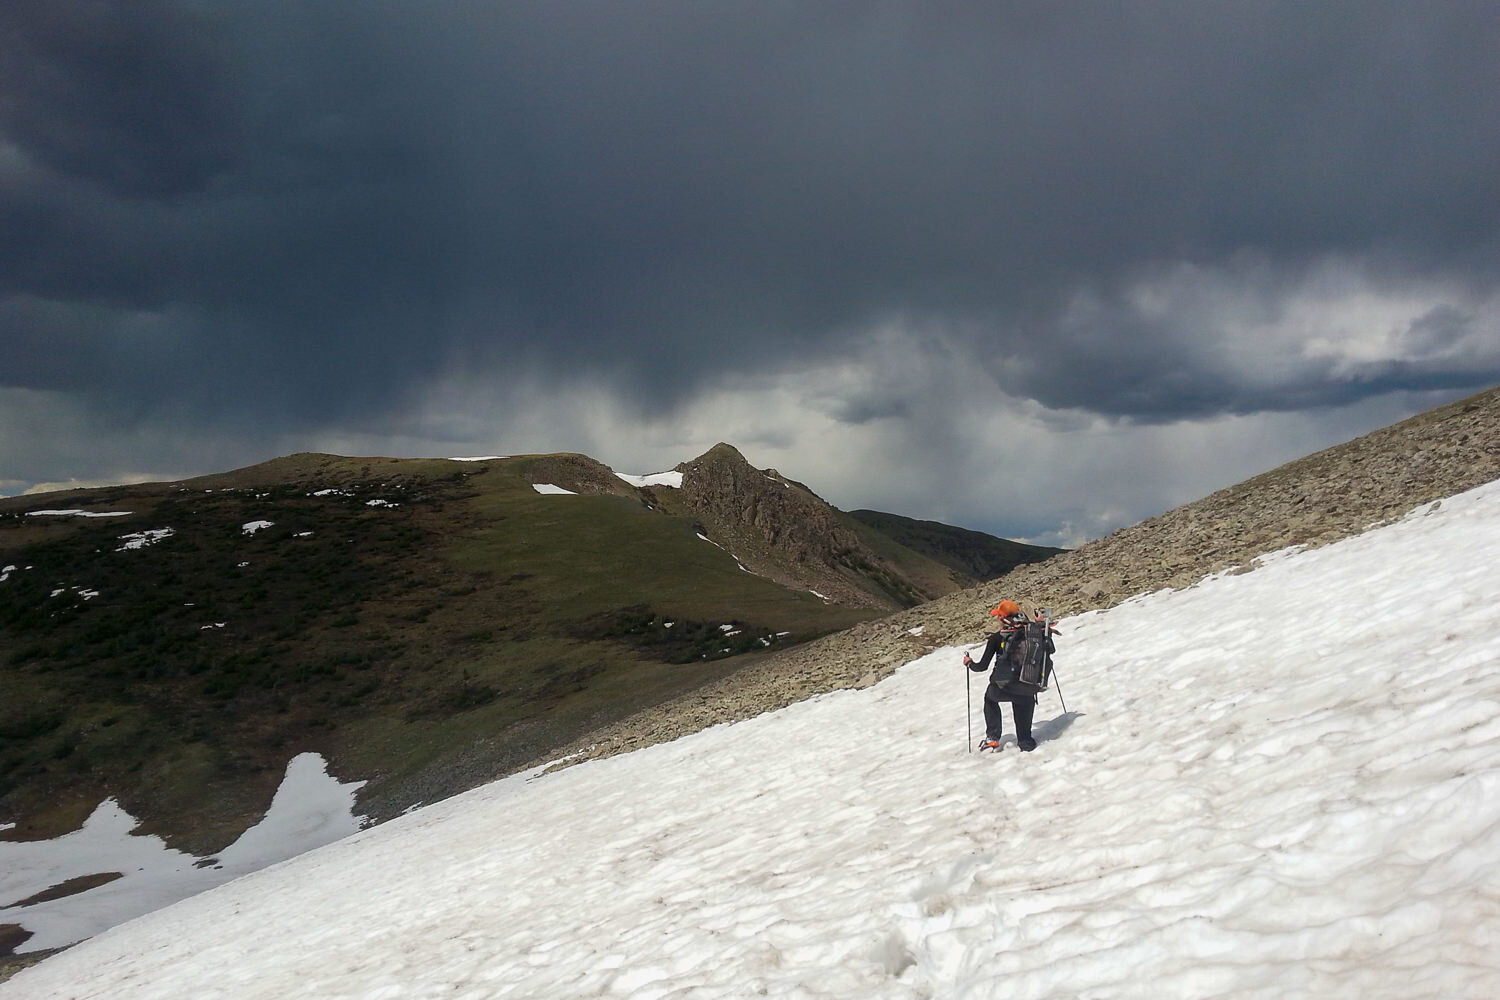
{"x": 1026, "y": 743}
{"x": 989, "y": 744}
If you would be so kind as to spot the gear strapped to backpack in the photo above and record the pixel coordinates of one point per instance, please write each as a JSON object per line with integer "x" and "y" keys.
{"x": 1030, "y": 651}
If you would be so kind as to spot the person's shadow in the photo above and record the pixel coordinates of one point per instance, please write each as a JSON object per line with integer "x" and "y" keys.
{"x": 1053, "y": 728}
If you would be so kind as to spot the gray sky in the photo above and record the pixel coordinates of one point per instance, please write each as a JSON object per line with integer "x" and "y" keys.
{"x": 1038, "y": 268}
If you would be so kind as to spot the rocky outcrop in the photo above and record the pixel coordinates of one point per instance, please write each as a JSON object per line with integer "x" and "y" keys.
{"x": 781, "y": 530}
{"x": 1319, "y": 499}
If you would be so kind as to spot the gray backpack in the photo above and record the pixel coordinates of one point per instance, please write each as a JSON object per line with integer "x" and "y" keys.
{"x": 1031, "y": 654}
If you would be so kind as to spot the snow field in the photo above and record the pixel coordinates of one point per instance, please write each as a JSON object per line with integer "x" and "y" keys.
{"x": 310, "y": 809}
{"x": 672, "y": 479}
{"x": 1278, "y": 783}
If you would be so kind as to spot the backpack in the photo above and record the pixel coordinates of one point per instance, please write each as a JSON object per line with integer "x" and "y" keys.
{"x": 1030, "y": 652}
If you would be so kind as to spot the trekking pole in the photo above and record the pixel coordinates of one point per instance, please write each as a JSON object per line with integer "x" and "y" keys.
{"x": 969, "y": 708}
{"x": 1046, "y": 614}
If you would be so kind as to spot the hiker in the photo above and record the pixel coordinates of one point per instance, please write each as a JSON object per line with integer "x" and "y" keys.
{"x": 1004, "y": 685}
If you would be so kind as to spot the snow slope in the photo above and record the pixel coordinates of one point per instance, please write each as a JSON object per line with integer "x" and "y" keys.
{"x": 310, "y": 808}
{"x": 1282, "y": 783}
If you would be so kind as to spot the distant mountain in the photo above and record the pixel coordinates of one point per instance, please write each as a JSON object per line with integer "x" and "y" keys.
{"x": 973, "y": 554}
{"x": 424, "y": 624}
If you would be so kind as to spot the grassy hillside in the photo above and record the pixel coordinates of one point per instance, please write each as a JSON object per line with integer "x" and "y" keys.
{"x": 424, "y": 624}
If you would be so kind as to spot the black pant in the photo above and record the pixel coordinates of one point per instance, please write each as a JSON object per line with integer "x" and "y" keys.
{"x": 1022, "y": 706}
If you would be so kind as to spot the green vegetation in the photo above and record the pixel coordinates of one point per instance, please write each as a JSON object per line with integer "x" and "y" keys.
{"x": 457, "y": 627}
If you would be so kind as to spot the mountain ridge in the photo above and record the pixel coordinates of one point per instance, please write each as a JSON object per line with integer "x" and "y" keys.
{"x": 422, "y": 623}
{"x": 972, "y": 553}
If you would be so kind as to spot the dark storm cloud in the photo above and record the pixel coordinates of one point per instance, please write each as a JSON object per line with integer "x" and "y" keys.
{"x": 122, "y": 95}
{"x": 288, "y": 212}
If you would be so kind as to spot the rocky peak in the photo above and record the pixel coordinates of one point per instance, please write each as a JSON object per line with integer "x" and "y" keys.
{"x": 776, "y": 527}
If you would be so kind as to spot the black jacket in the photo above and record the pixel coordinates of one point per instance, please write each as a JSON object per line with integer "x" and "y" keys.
{"x": 997, "y": 648}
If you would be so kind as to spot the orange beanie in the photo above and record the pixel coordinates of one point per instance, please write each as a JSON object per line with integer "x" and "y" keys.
{"x": 1005, "y": 608}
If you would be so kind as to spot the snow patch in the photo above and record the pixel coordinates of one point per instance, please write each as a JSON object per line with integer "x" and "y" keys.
{"x": 721, "y": 548}
{"x": 552, "y": 490}
{"x": 672, "y": 479}
{"x": 79, "y": 513}
{"x": 141, "y": 539}
{"x": 87, "y": 593}
{"x": 310, "y": 809}
{"x": 251, "y": 527}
